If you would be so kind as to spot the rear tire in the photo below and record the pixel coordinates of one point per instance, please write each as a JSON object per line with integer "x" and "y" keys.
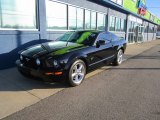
{"x": 119, "y": 57}
{"x": 77, "y": 73}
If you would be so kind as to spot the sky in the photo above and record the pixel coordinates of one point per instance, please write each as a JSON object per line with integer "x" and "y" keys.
{"x": 154, "y": 7}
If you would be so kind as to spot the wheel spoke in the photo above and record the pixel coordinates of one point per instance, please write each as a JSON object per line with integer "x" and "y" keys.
{"x": 74, "y": 74}
{"x": 80, "y": 67}
{"x": 75, "y": 69}
{"x": 77, "y": 78}
{"x": 81, "y": 74}
{"x": 120, "y": 56}
{"x": 78, "y": 73}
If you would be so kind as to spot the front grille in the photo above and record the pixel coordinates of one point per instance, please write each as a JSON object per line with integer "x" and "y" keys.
{"x": 29, "y": 62}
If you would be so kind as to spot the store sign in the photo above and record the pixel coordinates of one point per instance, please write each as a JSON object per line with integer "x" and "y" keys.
{"x": 141, "y": 8}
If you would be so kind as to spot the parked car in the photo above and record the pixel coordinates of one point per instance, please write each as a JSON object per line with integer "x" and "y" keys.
{"x": 71, "y": 55}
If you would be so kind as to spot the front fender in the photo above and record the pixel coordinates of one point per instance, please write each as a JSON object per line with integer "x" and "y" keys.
{"x": 122, "y": 45}
{"x": 74, "y": 57}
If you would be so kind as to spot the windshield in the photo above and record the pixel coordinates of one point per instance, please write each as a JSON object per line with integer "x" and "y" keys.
{"x": 80, "y": 37}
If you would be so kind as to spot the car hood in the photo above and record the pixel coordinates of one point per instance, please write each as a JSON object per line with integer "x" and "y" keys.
{"x": 52, "y": 48}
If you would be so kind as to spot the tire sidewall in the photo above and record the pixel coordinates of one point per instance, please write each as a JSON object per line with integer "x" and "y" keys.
{"x": 70, "y": 81}
{"x": 116, "y": 62}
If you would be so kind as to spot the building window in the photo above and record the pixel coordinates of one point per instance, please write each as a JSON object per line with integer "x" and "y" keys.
{"x": 75, "y": 17}
{"x": 87, "y": 19}
{"x": 93, "y": 20}
{"x": 118, "y": 24}
{"x": 112, "y": 23}
{"x": 123, "y": 25}
{"x": 56, "y": 15}
{"x": 120, "y": 2}
{"x": 152, "y": 29}
{"x": 145, "y": 29}
{"x": 101, "y": 20}
{"x": 114, "y": 1}
{"x": 72, "y": 17}
{"x": 135, "y": 25}
{"x": 80, "y": 18}
{"x": 155, "y": 30}
{"x": 18, "y": 14}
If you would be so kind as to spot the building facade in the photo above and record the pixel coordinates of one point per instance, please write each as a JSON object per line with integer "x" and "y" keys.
{"x": 28, "y": 22}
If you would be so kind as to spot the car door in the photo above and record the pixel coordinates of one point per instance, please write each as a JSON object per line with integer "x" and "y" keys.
{"x": 106, "y": 50}
{"x": 103, "y": 52}
{"x": 115, "y": 42}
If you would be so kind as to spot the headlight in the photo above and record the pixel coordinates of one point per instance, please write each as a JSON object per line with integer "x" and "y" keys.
{"x": 55, "y": 63}
{"x": 21, "y": 57}
{"x": 38, "y": 62}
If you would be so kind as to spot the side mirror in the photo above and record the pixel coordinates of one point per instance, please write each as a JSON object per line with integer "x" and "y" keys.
{"x": 100, "y": 42}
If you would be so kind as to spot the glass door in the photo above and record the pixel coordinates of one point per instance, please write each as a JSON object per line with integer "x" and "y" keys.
{"x": 132, "y": 32}
{"x": 140, "y": 34}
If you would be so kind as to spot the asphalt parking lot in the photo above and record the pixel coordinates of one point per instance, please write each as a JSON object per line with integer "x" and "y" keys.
{"x": 17, "y": 92}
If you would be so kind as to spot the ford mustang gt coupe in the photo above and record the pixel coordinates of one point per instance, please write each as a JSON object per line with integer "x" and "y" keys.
{"x": 72, "y": 55}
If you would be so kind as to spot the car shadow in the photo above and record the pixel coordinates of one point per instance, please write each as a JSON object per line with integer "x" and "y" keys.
{"x": 12, "y": 80}
{"x": 7, "y": 60}
{"x": 138, "y": 57}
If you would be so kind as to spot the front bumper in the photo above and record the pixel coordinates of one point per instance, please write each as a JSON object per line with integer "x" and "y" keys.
{"x": 44, "y": 74}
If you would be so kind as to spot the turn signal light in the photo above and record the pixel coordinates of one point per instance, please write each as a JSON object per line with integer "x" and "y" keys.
{"x": 54, "y": 73}
{"x": 49, "y": 73}
{"x": 58, "y": 73}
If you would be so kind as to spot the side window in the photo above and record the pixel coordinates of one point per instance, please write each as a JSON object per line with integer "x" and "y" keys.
{"x": 114, "y": 37}
{"x": 105, "y": 36}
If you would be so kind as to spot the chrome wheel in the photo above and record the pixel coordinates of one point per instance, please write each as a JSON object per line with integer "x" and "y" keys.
{"x": 120, "y": 56}
{"x": 77, "y": 73}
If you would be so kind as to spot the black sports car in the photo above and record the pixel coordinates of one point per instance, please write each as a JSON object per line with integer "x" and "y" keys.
{"x": 72, "y": 55}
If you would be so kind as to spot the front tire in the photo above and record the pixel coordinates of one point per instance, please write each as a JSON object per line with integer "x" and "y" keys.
{"x": 77, "y": 73}
{"x": 119, "y": 57}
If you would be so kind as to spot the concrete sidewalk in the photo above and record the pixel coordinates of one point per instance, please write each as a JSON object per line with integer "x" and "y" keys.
{"x": 17, "y": 92}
